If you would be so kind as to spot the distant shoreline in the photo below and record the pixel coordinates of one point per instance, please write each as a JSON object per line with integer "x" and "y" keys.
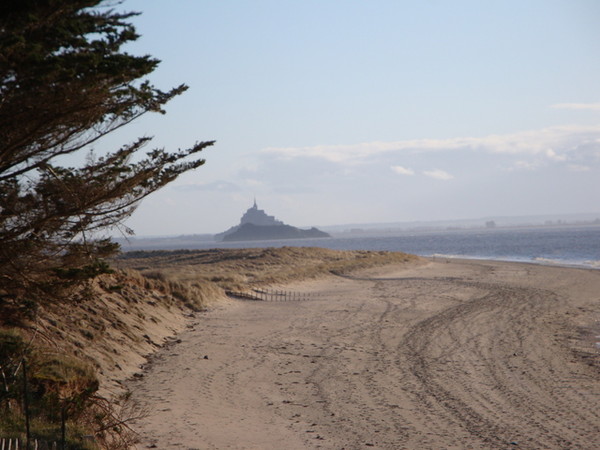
{"x": 577, "y": 246}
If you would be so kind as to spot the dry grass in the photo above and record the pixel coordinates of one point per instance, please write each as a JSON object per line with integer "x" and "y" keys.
{"x": 239, "y": 269}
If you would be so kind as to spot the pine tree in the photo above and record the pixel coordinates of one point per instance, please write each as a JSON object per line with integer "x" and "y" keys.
{"x": 64, "y": 84}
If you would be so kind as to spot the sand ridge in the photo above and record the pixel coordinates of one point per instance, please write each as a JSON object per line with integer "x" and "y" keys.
{"x": 457, "y": 354}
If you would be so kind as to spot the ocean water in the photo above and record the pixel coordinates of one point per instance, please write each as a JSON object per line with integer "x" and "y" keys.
{"x": 573, "y": 246}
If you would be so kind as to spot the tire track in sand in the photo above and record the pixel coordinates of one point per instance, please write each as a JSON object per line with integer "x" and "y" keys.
{"x": 502, "y": 387}
{"x": 454, "y": 356}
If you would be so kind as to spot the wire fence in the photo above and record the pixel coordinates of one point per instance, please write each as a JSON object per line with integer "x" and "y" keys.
{"x": 31, "y": 443}
{"x": 20, "y": 444}
{"x": 272, "y": 295}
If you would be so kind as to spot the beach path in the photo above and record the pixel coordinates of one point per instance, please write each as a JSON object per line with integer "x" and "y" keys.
{"x": 448, "y": 354}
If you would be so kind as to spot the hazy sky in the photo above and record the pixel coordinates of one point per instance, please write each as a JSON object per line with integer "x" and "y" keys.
{"x": 345, "y": 111}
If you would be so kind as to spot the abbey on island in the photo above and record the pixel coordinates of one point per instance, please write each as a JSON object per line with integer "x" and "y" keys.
{"x": 258, "y": 217}
{"x": 256, "y": 224}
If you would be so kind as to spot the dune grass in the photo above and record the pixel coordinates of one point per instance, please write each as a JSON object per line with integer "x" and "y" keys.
{"x": 240, "y": 269}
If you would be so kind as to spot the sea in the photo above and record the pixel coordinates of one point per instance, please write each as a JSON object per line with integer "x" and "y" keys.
{"x": 577, "y": 246}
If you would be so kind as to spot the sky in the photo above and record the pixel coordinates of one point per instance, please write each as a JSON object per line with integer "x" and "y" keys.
{"x": 345, "y": 111}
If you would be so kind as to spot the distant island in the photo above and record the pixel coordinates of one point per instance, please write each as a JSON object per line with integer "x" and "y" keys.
{"x": 256, "y": 225}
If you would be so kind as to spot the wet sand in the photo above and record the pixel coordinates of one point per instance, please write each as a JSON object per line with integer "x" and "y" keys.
{"x": 454, "y": 355}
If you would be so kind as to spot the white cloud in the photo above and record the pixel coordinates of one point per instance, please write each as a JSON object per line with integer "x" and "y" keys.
{"x": 438, "y": 174}
{"x": 552, "y": 155}
{"x": 334, "y": 153}
{"x": 403, "y": 170}
{"x": 578, "y": 106}
{"x": 524, "y": 165}
{"x": 553, "y": 144}
{"x": 579, "y": 168}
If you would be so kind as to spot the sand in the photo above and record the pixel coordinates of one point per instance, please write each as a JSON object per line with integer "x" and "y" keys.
{"x": 447, "y": 354}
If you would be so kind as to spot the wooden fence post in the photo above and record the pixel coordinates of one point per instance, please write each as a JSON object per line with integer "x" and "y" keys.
{"x": 63, "y": 428}
{"x": 26, "y": 404}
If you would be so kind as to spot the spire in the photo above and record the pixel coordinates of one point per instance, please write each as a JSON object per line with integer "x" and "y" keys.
{"x": 255, "y": 207}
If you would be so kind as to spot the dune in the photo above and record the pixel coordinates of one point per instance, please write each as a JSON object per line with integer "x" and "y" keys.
{"x": 444, "y": 354}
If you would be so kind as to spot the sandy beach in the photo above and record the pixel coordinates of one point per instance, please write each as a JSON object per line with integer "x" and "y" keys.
{"x": 443, "y": 354}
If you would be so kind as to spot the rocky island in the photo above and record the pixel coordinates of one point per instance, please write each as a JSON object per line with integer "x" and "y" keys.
{"x": 256, "y": 225}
